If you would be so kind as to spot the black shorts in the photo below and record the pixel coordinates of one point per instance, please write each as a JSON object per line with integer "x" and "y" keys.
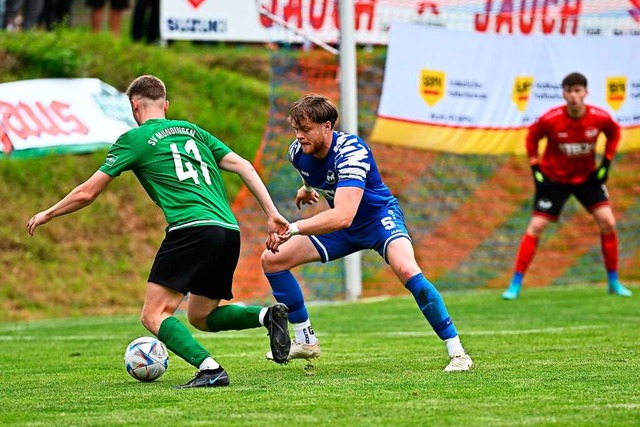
{"x": 115, "y": 4}
{"x": 550, "y": 197}
{"x": 199, "y": 260}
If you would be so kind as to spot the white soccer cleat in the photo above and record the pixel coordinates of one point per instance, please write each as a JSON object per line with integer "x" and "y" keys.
{"x": 301, "y": 351}
{"x": 459, "y": 362}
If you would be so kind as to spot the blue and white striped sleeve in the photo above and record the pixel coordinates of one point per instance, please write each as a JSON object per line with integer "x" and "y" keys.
{"x": 353, "y": 161}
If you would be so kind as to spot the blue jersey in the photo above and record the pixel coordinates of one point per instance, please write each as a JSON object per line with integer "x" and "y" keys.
{"x": 349, "y": 163}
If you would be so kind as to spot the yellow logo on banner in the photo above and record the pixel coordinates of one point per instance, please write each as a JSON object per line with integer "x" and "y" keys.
{"x": 432, "y": 85}
{"x": 521, "y": 92}
{"x": 616, "y": 91}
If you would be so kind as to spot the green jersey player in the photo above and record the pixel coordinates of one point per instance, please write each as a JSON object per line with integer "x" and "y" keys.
{"x": 178, "y": 164}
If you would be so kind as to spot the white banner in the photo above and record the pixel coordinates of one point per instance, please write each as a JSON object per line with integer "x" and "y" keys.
{"x": 68, "y": 115}
{"x": 241, "y": 21}
{"x": 479, "y": 83}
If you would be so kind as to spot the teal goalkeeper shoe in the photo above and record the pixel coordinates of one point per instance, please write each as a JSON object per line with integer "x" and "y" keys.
{"x": 616, "y": 288}
{"x": 512, "y": 292}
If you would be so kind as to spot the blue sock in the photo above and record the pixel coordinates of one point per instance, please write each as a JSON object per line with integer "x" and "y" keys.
{"x": 431, "y": 304}
{"x": 285, "y": 289}
{"x": 612, "y": 276}
{"x": 517, "y": 278}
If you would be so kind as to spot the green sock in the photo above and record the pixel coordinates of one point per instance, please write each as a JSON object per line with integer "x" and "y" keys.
{"x": 234, "y": 317}
{"x": 178, "y": 339}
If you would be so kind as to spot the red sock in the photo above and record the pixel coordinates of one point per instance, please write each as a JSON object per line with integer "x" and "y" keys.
{"x": 609, "y": 244}
{"x": 527, "y": 250}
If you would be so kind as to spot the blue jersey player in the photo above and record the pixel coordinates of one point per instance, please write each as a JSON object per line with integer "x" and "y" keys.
{"x": 363, "y": 214}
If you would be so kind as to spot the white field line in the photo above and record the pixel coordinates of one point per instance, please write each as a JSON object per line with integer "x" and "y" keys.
{"x": 106, "y": 337}
{"x": 552, "y": 330}
{"x": 244, "y": 335}
{"x": 70, "y": 322}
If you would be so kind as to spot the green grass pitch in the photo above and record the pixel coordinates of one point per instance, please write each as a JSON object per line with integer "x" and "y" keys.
{"x": 565, "y": 356}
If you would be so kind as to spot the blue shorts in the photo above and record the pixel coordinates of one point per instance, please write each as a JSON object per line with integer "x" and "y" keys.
{"x": 374, "y": 233}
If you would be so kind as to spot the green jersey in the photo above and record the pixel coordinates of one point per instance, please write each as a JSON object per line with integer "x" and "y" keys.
{"x": 177, "y": 164}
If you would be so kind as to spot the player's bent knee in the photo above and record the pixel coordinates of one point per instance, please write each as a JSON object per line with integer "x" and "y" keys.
{"x": 150, "y": 322}
{"x": 264, "y": 261}
{"x": 607, "y": 228}
{"x": 607, "y": 225}
{"x": 270, "y": 262}
{"x": 198, "y": 322}
{"x": 405, "y": 270}
{"x": 267, "y": 265}
{"x": 405, "y": 275}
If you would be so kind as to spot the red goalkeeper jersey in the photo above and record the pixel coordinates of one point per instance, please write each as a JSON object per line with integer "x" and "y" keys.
{"x": 569, "y": 157}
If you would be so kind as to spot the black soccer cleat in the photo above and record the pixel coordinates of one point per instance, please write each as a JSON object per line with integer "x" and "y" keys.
{"x": 208, "y": 378}
{"x": 277, "y": 323}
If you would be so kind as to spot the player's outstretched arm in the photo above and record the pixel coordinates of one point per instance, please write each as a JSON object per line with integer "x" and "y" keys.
{"x": 276, "y": 223}
{"x": 81, "y": 196}
{"x": 345, "y": 206}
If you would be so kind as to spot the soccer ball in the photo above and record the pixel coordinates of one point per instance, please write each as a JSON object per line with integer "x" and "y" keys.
{"x": 146, "y": 359}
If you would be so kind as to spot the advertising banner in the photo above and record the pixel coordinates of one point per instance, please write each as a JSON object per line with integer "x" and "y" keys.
{"x": 242, "y": 20}
{"x": 60, "y": 115}
{"x": 467, "y": 93}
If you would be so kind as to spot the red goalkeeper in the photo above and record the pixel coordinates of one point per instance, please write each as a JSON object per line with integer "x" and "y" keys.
{"x": 568, "y": 167}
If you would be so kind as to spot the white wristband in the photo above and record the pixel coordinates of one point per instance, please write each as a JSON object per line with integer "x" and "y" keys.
{"x": 308, "y": 188}
{"x": 293, "y": 229}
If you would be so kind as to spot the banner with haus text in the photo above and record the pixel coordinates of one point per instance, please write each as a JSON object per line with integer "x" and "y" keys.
{"x": 468, "y": 93}
{"x": 42, "y": 116}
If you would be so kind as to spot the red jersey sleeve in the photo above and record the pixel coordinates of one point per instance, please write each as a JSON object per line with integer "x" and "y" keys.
{"x": 611, "y": 130}
{"x": 534, "y": 135}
